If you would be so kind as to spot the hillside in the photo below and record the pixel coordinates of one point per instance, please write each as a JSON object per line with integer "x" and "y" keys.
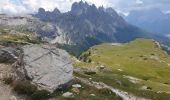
{"x": 139, "y": 67}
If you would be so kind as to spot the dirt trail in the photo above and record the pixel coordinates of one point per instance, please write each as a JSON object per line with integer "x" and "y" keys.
{"x": 6, "y": 92}
{"x": 100, "y": 85}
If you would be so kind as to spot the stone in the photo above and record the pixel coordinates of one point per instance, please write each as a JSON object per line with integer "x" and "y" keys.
{"x": 76, "y": 86}
{"x": 102, "y": 67}
{"x": 93, "y": 95}
{"x": 12, "y": 98}
{"x": 8, "y": 55}
{"x": 144, "y": 87}
{"x": 46, "y": 66}
{"x": 119, "y": 82}
{"x": 68, "y": 95}
{"x": 75, "y": 90}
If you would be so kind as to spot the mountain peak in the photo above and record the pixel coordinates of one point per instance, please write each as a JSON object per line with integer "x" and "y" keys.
{"x": 56, "y": 10}
{"x": 41, "y": 10}
{"x": 79, "y": 7}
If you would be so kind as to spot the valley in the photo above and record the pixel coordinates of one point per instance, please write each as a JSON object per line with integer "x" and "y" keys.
{"x": 89, "y": 52}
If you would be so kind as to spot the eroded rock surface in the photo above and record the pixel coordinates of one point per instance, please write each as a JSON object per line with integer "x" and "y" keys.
{"x": 46, "y": 66}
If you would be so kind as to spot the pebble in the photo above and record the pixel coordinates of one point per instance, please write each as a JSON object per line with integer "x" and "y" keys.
{"x": 12, "y": 98}
{"x": 92, "y": 94}
{"x": 68, "y": 95}
{"x": 76, "y": 86}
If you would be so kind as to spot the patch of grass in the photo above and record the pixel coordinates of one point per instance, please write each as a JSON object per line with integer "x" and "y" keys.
{"x": 152, "y": 72}
{"x": 8, "y": 80}
{"x": 19, "y": 38}
{"x": 24, "y": 87}
{"x": 41, "y": 94}
{"x": 88, "y": 93}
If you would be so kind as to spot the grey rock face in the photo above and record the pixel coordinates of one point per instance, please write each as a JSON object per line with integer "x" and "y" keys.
{"x": 47, "y": 67}
{"x": 8, "y": 55}
{"x": 27, "y": 23}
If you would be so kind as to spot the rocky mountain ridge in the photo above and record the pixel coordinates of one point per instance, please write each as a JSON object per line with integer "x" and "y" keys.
{"x": 84, "y": 26}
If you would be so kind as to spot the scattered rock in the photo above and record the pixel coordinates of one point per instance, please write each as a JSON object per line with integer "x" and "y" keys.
{"x": 8, "y": 55}
{"x": 144, "y": 87}
{"x": 116, "y": 44}
{"x": 48, "y": 67}
{"x": 169, "y": 65}
{"x": 76, "y": 86}
{"x": 90, "y": 78}
{"x": 132, "y": 79}
{"x": 12, "y": 98}
{"x": 93, "y": 95}
{"x": 118, "y": 82}
{"x": 102, "y": 67}
{"x": 120, "y": 70}
{"x": 68, "y": 95}
{"x": 75, "y": 90}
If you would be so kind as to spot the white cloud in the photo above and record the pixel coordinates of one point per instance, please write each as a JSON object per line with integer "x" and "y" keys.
{"x": 139, "y": 2}
{"x": 30, "y": 6}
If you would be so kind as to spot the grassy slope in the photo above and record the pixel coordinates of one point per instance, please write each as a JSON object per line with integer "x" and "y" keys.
{"x": 85, "y": 94}
{"x": 19, "y": 38}
{"x": 141, "y": 59}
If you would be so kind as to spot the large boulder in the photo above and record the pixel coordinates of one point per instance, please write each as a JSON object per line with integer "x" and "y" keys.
{"x": 46, "y": 66}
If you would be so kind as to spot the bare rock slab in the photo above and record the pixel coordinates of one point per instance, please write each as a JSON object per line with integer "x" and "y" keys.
{"x": 46, "y": 66}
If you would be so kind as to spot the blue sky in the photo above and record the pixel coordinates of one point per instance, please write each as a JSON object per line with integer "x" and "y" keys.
{"x": 124, "y": 6}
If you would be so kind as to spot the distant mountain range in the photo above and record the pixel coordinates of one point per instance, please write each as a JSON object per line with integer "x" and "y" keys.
{"x": 88, "y": 25}
{"x": 152, "y": 20}
{"x": 82, "y": 27}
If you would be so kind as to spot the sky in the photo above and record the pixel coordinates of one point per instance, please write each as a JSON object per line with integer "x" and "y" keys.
{"x": 122, "y": 6}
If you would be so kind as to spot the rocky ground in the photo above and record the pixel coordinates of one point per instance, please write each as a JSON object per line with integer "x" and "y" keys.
{"x": 101, "y": 85}
{"x": 6, "y": 91}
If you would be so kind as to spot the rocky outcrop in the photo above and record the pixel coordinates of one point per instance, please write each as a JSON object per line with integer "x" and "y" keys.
{"x": 46, "y": 66}
{"x": 8, "y": 55}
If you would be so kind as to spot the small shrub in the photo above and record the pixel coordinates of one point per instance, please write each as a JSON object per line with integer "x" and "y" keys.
{"x": 145, "y": 78}
{"x": 152, "y": 54}
{"x": 25, "y": 87}
{"x": 149, "y": 88}
{"x": 145, "y": 59}
{"x": 166, "y": 83}
{"x": 89, "y": 61}
{"x": 141, "y": 56}
{"x": 40, "y": 95}
{"x": 131, "y": 57}
{"x": 90, "y": 72}
{"x": 106, "y": 91}
{"x": 8, "y": 80}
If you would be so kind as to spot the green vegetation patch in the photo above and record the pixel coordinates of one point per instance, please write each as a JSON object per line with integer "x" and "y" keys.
{"x": 131, "y": 66}
{"x": 87, "y": 93}
{"x": 19, "y": 38}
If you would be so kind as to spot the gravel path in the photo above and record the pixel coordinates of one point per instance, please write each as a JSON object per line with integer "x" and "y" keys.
{"x": 100, "y": 85}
